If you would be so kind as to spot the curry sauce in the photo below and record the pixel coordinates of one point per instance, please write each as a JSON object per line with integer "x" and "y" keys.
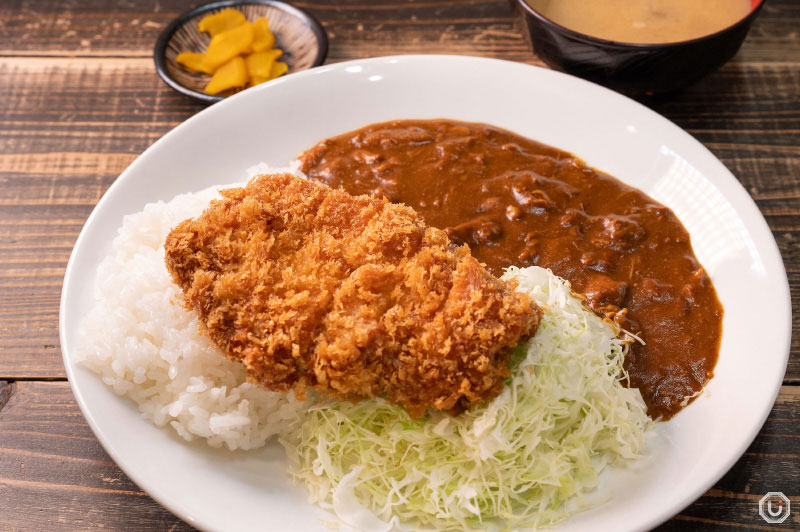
{"x": 518, "y": 202}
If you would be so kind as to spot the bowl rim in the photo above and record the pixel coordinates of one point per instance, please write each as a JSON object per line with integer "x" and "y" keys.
{"x": 590, "y": 39}
{"x": 160, "y": 57}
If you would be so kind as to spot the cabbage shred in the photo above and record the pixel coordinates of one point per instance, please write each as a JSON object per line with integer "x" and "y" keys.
{"x": 512, "y": 462}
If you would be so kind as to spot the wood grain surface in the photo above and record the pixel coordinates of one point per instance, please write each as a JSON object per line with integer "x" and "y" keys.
{"x": 80, "y": 100}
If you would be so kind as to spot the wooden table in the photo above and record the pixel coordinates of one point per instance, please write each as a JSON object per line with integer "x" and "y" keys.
{"x": 79, "y": 100}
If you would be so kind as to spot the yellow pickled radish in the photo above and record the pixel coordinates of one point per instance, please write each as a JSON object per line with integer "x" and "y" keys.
{"x": 228, "y": 76}
{"x": 192, "y": 60}
{"x": 278, "y": 69}
{"x": 264, "y": 39}
{"x": 227, "y": 45}
{"x": 240, "y": 53}
{"x": 225, "y": 20}
{"x": 257, "y": 80}
{"x": 259, "y": 64}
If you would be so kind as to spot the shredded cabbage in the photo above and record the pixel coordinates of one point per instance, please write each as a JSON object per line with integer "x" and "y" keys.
{"x": 512, "y": 462}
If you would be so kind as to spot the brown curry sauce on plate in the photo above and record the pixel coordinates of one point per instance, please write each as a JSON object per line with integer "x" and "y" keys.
{"x": 518, "y": 202}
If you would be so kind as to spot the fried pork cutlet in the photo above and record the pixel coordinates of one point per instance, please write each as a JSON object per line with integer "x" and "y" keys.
{"x": 354, "y": 296}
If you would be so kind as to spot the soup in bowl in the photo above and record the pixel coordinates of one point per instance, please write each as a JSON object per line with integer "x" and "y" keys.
{"x": 638, "y": 47}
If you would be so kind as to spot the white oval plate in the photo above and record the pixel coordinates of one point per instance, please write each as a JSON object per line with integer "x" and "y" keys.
{"x": 219, "y": 490}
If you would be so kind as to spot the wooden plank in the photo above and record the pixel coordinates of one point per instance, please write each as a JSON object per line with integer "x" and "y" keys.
{"x": 122, "y": 29}
{"x": 723, "y": 107}
{"x": 51, "y": 97}
{"x": 121, "y": 106}
{"x": 357, "y": 28}
{"x": 54, "y": 475}
{"x": 7, "y": 389}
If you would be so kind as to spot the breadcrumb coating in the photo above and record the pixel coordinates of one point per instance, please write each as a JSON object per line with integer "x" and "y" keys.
{"x": 354, "y": 296}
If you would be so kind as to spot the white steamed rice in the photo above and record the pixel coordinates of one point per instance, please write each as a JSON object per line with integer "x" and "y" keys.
{"x": 145, "y": 345}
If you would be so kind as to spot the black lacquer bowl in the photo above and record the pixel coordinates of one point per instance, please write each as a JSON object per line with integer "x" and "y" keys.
{"x": 638, "y": 70}
{"x": 301, "y": 37}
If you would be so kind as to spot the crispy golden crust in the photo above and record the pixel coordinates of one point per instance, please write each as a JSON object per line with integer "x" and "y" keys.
{"x": 351, "y": 295}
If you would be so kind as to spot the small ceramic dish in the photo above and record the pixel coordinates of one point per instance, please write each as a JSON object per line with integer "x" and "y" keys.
{"x": 638, "y": 70}
{"x": 301, "y": 37}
